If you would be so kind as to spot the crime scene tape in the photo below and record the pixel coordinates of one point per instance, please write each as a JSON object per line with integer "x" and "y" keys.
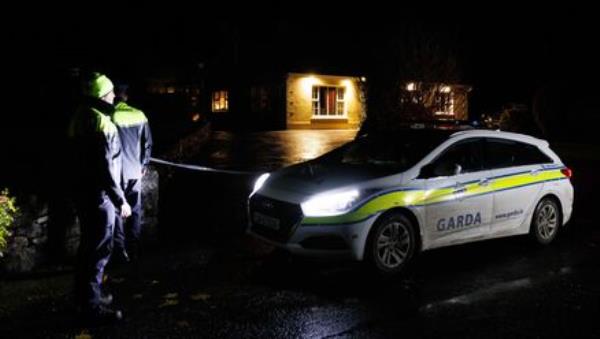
{"x": 200, "y": 168}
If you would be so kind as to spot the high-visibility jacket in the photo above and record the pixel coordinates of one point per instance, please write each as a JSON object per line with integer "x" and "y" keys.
{"x": 97, "y": 152}
{"x": 136, "y": 139}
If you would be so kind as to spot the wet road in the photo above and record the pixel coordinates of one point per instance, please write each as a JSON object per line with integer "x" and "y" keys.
{"x": 494, "y": 289}
{"x": 221, "y": 284}
{"x": 267, "y": 151}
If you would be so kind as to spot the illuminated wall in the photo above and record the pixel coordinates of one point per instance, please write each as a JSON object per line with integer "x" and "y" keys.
{"x": 300, "y": 101}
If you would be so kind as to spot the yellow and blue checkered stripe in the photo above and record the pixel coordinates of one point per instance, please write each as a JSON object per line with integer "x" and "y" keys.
{"x": 404, "y": 197}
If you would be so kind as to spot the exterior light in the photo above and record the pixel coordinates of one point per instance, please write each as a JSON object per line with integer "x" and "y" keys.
{"x": 411, "y": 87}
{"x": 363, "y": 79}
{"x": 195, "y": 117}
{"x": 445, "y": 89}
{"x": 308, "y": 82}
{"x": 312, "y": 79}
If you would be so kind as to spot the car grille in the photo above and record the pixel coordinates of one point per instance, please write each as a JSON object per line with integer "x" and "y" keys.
{"x": 288, "y": 214}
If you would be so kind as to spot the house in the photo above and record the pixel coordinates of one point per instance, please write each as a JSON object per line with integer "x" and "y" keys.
{"x": 440, "y": 101}
{"x": 277, "y": 101}
{"x": 324, "y": 101}
{"x": 292, "y": 101}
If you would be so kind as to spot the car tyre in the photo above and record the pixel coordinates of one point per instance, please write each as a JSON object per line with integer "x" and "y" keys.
{"x": 391, "y": 243}
{"x": 546, "y": 221}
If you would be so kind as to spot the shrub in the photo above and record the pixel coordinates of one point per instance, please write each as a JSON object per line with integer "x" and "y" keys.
{"x": 8, "y": 210}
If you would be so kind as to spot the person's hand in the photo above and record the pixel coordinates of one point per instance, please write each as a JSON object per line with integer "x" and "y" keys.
{"x": 125, "y": 210}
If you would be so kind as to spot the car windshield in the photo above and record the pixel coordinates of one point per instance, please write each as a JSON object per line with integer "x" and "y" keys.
{"x": 388, "y": 152}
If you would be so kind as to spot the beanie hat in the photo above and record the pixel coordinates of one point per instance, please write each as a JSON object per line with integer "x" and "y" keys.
{"x": 99, "y": 86}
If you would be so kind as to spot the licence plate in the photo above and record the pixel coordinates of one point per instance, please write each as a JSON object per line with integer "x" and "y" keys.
{"x": 265, "y": 220}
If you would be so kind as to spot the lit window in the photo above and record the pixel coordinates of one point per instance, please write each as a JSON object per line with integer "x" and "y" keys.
{"x": 220, "y": 101}
{"x": 328, "y": 102}
{"x": 412, "y": 95}
{"x": 444, "y": 102}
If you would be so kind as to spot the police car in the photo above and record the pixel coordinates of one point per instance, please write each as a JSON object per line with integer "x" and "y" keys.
{"x": 383, "y": 198}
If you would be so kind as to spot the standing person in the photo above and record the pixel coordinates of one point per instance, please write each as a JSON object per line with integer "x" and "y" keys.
{"x": 99, "y": 196}
{"x": 136, "y": 142}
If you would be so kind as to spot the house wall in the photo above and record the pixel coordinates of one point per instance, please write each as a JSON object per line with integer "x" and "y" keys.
{"x": 299, "y": 101}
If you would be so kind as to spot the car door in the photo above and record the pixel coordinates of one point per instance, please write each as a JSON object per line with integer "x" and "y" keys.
{"x": 458, "y": 207}
{"x": 517, "y": 180}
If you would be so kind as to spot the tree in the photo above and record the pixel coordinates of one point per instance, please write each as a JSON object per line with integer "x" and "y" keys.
{"x": 410, "y": 53}
{"x": 518, "y": 118}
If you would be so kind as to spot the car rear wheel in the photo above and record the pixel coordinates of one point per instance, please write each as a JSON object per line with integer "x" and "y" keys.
{"x": 392, "y": 243}
{"x": 546, "y": 221}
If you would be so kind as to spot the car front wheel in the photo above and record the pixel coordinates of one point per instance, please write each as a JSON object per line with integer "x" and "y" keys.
{"x": 392, "y": 243}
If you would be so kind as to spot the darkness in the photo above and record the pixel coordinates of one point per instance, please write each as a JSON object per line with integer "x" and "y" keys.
{"x": 202, "y": 275}
{"x": 506, "y": 53}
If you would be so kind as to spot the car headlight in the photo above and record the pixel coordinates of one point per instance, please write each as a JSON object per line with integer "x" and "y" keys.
{"x": 330, "y": 204}
{"x": 258, "y": 184}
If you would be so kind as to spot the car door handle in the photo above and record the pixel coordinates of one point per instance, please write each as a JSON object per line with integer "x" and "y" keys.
{"x": 460, "y": 189}
{"x": 485, "y": 182}
{"x": 535, "y": 171}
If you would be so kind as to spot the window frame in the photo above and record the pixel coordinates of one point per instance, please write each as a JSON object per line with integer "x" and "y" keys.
{"x": 316, "y": 100}
{"x": 214, "y": 102}
{"x": 443, "y": 101}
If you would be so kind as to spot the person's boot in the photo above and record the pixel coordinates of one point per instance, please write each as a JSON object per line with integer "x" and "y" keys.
{"x": 101, "y": 315}
{"x": 106, "y": 299}
{"x": 120, "y": 256}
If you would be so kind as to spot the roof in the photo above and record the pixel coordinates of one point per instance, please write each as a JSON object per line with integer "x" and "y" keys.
{"x": 500, "y": 134}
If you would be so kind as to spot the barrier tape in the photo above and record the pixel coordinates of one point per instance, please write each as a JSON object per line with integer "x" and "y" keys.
{"x": 199, "y": 168}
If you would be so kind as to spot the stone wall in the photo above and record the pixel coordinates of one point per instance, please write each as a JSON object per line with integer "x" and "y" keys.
{"x": 27, "y": 249}
{"x": 29, "y": 235}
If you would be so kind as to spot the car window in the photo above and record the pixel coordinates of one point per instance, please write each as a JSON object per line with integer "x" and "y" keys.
{"x": 529, "y": 155}
{"x": 502, "y": 153}
{"x": 388, "y": 153}
{"x": 467, "y": 154}
{"x": 395, "y": 155}
{"x": 499, "y": 153}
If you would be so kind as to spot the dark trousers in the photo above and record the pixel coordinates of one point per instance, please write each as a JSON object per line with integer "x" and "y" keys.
{"x": 128, "y": 231}
{"x": 97, "y": 221}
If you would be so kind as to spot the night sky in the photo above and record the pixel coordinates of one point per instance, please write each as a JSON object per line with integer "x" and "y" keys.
{"x": 505, "y": 52}
{"x": 502, "y": 50}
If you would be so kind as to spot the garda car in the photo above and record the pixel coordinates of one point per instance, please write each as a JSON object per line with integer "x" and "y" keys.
{"x": 383, "y": 198}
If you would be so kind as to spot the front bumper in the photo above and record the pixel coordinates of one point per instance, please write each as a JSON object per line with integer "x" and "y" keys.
{"x": 325, "y": 241}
